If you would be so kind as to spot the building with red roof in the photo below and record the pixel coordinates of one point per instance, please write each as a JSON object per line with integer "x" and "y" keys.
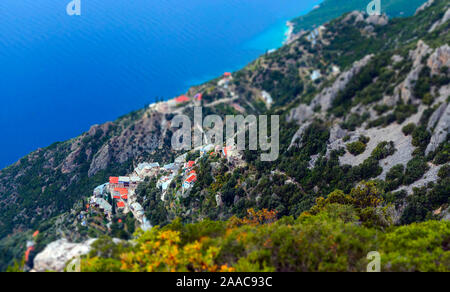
{"x": 120, "y": 204}
{"x": 124, "y": 197}
{"x": 182, "y": 99}
{"x": 190, "y": 164}
{"x": 192, "y": 178}
{"x": 227, "y": 74}
{"x": 121, "y": 191}
{"x": 113, "y": 180}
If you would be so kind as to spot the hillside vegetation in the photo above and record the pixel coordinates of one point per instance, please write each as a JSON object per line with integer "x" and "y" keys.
{"x": 363, "y": 165}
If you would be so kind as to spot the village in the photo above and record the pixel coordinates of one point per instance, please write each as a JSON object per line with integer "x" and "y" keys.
{"x": 118, "y": 195}
{"x": 121, "y": 190}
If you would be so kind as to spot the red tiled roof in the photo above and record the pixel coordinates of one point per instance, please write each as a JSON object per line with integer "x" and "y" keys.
{"x": 124, "y": 197}
{"x": 121, "y": 204}
{"x": 113, "y": 180}
{"x": 191, "y": 163}
{"x": 36, "y": 233}
{"x": 192, "y": 172}
{"x": 199, "y": 96}
{"x": 227, "y": 74}
{"x": 122, "y": 191}
{"x": 192, "y": 178}
{"x": 182, "y": 98}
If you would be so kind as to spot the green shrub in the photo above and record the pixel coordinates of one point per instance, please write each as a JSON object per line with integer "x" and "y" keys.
{"x": 409, "y": 129}
{"x": 415, "y": 169}
{"x": 356, "y": 148}
{"x": 421, "y": 138}
{"x": 394, "y": 177}
{"x": 383, "y": 150}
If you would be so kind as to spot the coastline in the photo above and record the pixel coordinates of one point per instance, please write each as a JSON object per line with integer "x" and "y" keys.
{"x": 275, "y": 37}
{"x": 290, "y": 33}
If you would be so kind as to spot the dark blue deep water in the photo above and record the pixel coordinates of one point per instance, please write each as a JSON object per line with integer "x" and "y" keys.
{"x": 61, "y": 74}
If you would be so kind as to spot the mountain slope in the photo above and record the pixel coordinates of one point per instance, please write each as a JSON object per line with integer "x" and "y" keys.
{"x": 360, "y": 98}
{"x": 330, "y": 9}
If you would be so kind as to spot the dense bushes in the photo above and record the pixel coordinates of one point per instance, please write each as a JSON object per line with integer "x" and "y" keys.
{"x": 383, "y": 150}
{"x": 329, "y": 238}
{"x": 356, "y": 148}
{"x": 415, "y": 169}
{"x": 409, "y": 129}
{"x": 421, "y": 138}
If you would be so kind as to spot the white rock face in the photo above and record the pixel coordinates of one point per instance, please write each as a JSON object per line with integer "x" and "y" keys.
{"x": 440, "y": 22}
{"x": 377, "y": 19}
{"x": 327, "y": 96}
{"x": 404, "y": 89}
{"x": 436, "y": 116}
{"x": 440, "y": 58}
{"x": 392, "y": 133}
{"x": 58, "y": 253}
{"x": 430, "y": 176}
{"x": 424, "y": 6}
{"x": 296, "y": 140}
{"x": 300, "y": 114}
{"x": 440, "y": 132}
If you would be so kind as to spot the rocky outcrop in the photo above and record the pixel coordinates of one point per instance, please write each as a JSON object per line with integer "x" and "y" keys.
{"x": 335, "y": 142}
{"x": 377, "y": 19}
{"x": 325, "y": 98}
{"x": 430, "y": 176}
{"x": 440, "y": 22}
{"x": 296, "y": 140}
{"x": 300, "y": 114}
{"x": 358, "y": 16}
{"x": 100, "y": 161}
{"x": 58, "y": 253}
{"x": 440, "y": 132}
{"x": 405, "y": 89}
{"x": 436, "y": 116}
{"x": 424, "y": 6}
{"x": 439, "y": 59}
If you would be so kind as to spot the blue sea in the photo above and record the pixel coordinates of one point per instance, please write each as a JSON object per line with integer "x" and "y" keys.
{"x": 60, "y": 74}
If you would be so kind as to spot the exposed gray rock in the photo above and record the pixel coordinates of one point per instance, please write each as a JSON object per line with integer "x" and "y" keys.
{"x": 397, "y": 58}
{"x": 296, "y": 140}
{"x": 357, "y": 15}
{"x": 430, "y": 176}
{"x": 440, "y": 132}
{"x": 424, "y": 6}
{"x": 446, "y": 214}
{"x": 440, "y": 22}
{"x": 100, "y": 161}
{"x": 58, "y": 253}
{"x": 377, "y": 19}
{"x": 300, "y": 114}
{"x": 335, "y": 141}
{"x": 440, "y": 58}
{"x": 436, "y": 116}
{"x": 404, "y": 89}
{"x": 325, "y": 98}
